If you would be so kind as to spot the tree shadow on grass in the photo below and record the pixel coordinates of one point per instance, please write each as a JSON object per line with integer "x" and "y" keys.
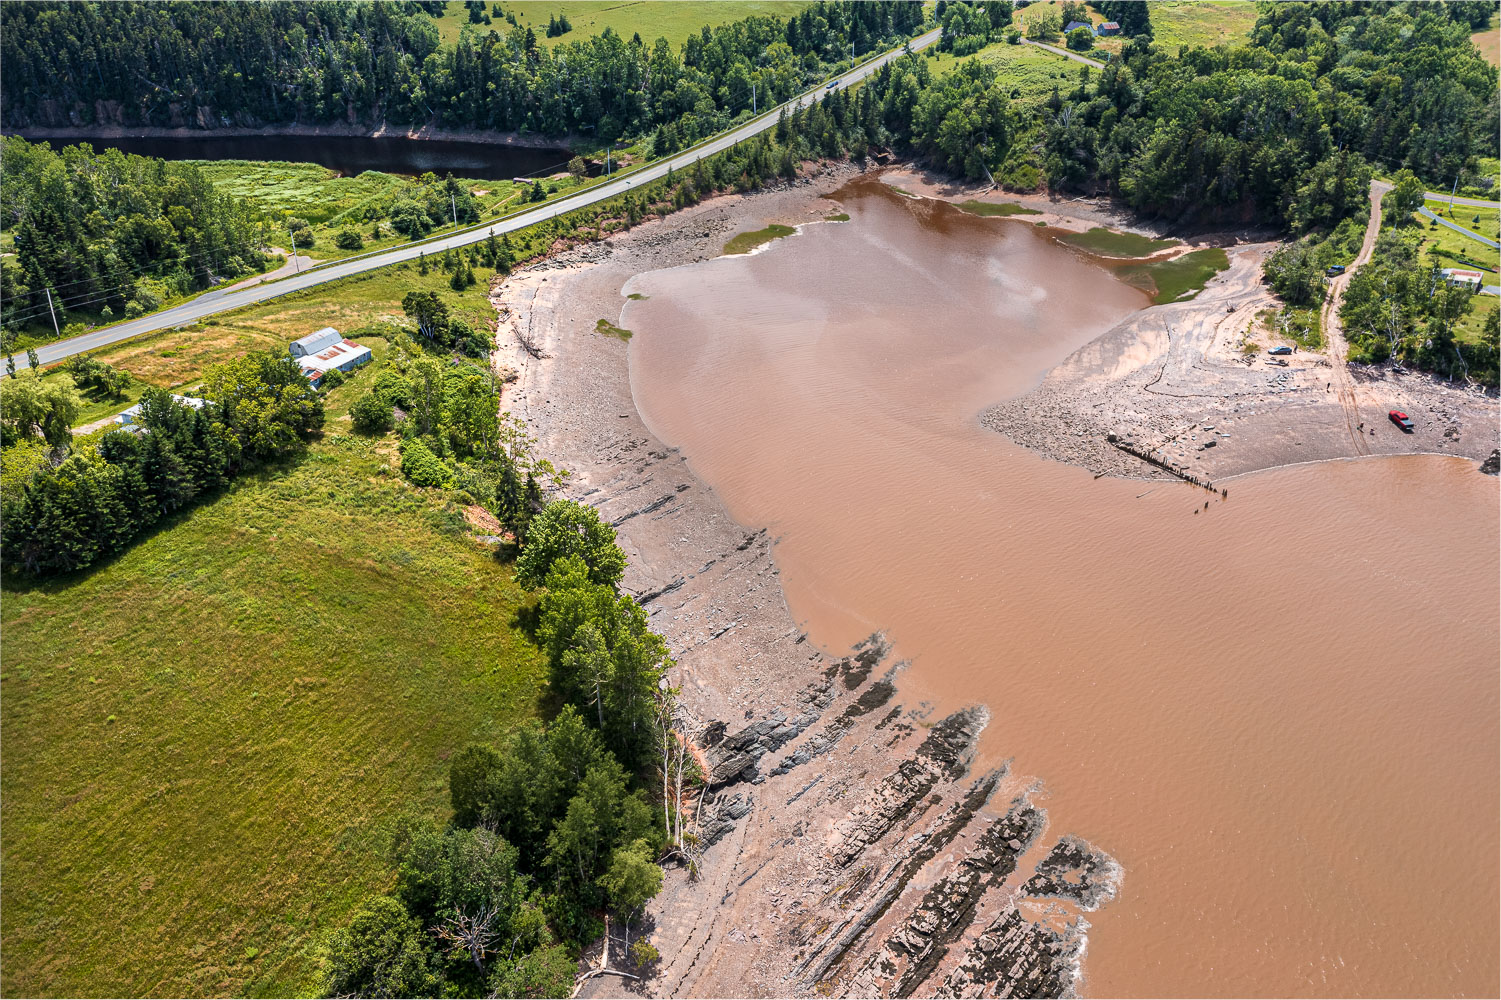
{"x": 16, "y": 581}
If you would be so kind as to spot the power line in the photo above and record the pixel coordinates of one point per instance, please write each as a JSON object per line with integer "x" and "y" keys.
{"x": 805, "y": 98}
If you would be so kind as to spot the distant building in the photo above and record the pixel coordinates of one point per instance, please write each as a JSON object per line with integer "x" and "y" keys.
{"x": 315, "y": 342}
{"x": 1108, "y": 28}
{"x": 1471, "y": 279}
{"x": 1070, "y": 26}
{"x": 128, "y": 417}
{"x": 344, "y": 356}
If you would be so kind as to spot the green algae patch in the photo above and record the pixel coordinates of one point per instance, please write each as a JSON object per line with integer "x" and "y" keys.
{"x": 637, "y": 297}
{"x": 996, "y": 208}
{"x": 1109, "y": 243}
{"x": 746, "y": 242}
{"x": 1179, "y": 279}
{"x": 609, "y": 329}
{"x": 839, "y": 217}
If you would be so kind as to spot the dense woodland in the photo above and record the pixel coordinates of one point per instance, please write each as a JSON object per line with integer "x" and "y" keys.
{"x": 208, "y": 64}
{"x": 114, "y": 234}
{"x": 1283, "y": 131}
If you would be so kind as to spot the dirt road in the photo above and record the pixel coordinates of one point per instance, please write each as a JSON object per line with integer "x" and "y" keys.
{"x": 1334, "y": 335}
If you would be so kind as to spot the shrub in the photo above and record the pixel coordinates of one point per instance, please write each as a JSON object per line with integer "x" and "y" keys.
{"x": 422, "y": 467}
{"x": 569, "y": 528}
{"x": 333, "y": 379}
{"x": 1080, "y": 39}
{"x": 372, "y": 413}
{"x": 392, "y": 387}
{"x": 350, "y": 239}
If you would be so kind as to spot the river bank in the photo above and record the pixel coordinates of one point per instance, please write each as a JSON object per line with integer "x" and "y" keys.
{"x": 211, "y": 130}
{"x": 821, "y": 400}
{"x": 848, "y": 848}
{"x": 1190, "y": 385}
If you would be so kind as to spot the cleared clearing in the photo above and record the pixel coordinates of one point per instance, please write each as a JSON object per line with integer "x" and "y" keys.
{"x": 206, "y": 737}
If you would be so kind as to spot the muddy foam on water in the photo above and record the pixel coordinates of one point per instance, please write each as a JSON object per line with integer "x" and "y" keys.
{"x": 1279, "y": 714}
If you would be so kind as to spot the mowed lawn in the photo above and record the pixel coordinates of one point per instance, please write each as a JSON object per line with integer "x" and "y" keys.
{"x": 179, "y": 356}
{"x": 673, "y": 20}
{"x": 206, "y": 739}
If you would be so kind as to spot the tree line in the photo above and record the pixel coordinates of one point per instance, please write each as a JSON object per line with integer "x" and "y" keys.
{"x": 183, "y": 63}
{"x": 552, "y": 826}
{"x": 1399, "y": 307}
{"x": 114, "y": 234}
{"x": 257, "y": 409}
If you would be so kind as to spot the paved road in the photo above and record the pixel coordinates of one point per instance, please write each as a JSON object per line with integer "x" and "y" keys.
{"x": 1076, "y": 57}
{"x": 208, "y": 305}
{"x": 1428, "y": 214}
{"x": 1472, "y": 202}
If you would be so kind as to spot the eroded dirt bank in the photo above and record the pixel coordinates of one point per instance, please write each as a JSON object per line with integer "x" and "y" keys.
{"x": 850, "y": 848}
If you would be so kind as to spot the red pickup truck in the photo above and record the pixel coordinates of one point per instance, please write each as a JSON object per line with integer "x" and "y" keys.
{"x": 1401, "y": 420}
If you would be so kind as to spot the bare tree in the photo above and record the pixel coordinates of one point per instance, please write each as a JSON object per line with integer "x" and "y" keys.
{"x": 474, "y": 933}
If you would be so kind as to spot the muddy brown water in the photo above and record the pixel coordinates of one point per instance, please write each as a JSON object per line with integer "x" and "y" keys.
{"x": 1279, "y": 714}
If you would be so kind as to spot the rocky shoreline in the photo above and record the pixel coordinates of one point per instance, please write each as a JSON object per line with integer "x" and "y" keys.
{"x": 845, "y": 846}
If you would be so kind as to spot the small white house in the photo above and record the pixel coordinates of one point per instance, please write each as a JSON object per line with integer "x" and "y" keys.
{"x": 127, "y": 417}
{"x": 1471, "y": 279}
{"x": 315, "y": 342}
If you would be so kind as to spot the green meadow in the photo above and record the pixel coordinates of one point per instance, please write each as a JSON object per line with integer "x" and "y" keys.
{"x": 207, "y": 737}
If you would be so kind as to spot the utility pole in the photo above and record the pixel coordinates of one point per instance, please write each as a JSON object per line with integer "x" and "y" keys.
{"x": 295, "y": 266}
{"x": 453, "y": 204}
{"x": 753, "y": 98}
{"x": 53, "y": 312}
{"x": 1451, "y": 195}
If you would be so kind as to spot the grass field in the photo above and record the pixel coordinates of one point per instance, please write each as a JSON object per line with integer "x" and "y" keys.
{"x": 1474, "y": 218}
{"x": 1489, "y": 43}
{"x": 1183, "y": 22}
{"x": 991, "y": 208}
{"x": 1177, "y": 279}
{"x": 205, "y": 737}
{"x": 1025, "y": 71}
{"x": 306, "y": 190}
{"x": 1451, "y": 249}
{"x": 746, "y": 242}
{"x": 653, "y": 19}
{"x": 1108, "y": 243}
{"x": 332, "y": 203}
{"x": 1202, "y": 22}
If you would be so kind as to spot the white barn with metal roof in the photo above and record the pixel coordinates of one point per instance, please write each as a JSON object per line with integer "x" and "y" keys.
{"x": 315, "y": 342}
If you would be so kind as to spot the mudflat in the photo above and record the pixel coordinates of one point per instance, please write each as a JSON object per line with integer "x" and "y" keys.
{"x": 1140, "y": 663}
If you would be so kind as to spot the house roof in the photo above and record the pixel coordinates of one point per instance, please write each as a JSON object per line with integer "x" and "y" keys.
{"x": 1111, "y": 26}
{"x": 134, "y": 411}
{"x": 316, "y": 341}
{"x": 1075, "y": 24}
{"x": 338, "y": 354}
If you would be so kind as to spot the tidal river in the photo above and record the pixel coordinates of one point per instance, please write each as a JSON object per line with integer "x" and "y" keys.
{"x": 1279, "y": 714}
